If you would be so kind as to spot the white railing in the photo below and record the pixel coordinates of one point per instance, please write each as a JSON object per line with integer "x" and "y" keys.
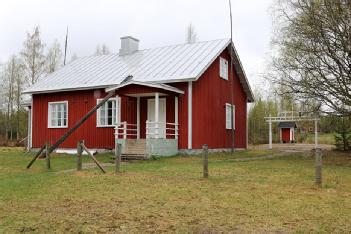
{"x": 124, "y": 129}
{"x": 161, "y": 129}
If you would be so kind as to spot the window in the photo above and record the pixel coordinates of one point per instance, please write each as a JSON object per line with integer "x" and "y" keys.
{"x": 229, "y": 116}
{"x": 233, "y": 115}
{"x": 57, "y": 114}
{"x": 106, "y": 114}
{"x": 223, "y": 68}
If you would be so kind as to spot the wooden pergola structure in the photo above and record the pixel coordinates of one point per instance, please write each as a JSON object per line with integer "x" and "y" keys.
{"x": 291, "y": 116}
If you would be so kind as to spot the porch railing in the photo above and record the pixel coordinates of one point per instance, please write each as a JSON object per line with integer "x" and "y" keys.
{"x": 124, "y": 129}
{"x": 153, "y": 129}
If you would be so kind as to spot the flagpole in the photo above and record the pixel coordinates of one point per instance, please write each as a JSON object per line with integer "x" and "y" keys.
{"x": 232, "y": 77}
{"x": 64, "y": 59}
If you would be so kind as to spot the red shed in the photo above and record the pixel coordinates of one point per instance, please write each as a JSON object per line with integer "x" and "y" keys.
{"x": 287, "y": 132}
{"x": 167, "y": 100}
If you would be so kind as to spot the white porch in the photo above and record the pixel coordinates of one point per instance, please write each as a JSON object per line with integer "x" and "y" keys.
{"x": 146, "y": 131}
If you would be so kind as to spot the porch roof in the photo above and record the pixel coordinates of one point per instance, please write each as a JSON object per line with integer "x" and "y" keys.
{"x": 146, "y": 84}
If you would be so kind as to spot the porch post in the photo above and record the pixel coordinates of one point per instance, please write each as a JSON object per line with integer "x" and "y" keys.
{"x": 315, "y": 133}
{"x": 270, "y": 132}
{"x": 176, "y": 127}
{"x": 156, "y": 115}
{"x": 117, "y": 112}
{"x": 190, "y": 115}
{"x": 138, "y": 117}
{"x": 29, "y": 139}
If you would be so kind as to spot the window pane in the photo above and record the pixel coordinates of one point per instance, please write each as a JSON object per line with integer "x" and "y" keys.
{"x": 65, "y": 108}
{"x": 109, "y": 120}
{"x": 59, "y": 114}
{"x": 109, "y": 112}
{"x": 102, "y": 120}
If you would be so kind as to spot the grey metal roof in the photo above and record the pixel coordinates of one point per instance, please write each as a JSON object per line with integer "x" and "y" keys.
{"x": 287, "y": 125}
{"x": 159, "y": 65}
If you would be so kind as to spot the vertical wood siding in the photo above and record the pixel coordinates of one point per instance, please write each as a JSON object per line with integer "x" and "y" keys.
{"x": 79, "y": 103}
{"x": 210, "y": 94}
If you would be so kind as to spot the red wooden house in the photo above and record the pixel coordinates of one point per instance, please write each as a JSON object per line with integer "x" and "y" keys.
{"x": 167, "y": 100}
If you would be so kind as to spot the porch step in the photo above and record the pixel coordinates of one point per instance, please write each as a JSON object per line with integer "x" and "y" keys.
{"x": 135, "y": 147}
{"x": 129, "y": 157}
{"x": 134, "y": 157}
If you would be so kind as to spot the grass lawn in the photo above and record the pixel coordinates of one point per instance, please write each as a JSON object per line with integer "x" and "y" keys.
{"x": 323, "y": 138}
{"x": 169, "y": 195}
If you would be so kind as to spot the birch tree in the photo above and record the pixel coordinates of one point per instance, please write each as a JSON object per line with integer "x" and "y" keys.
{"x": 191, "y": 36}
{"x": 103, "y": 50}
{"x": 12, "y": 84}
{"x": 312, "y": 52}
{"x": 33, "y": 56}
{"x": 53, "y": 57}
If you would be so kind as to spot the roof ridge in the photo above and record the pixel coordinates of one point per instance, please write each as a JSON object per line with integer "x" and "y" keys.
{"x": 153, "y": 48}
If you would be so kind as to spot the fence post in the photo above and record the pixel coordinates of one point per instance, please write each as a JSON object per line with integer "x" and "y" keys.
{"x": 118, "y": 150}
{"x": 47, "y": 155}
{"x": 79, "y": 155}
{"x": 318, "y": 165}
{"x": 205, "y": 160}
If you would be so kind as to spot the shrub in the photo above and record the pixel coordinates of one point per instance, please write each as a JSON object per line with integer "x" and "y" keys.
{"x": 343, "y": 135}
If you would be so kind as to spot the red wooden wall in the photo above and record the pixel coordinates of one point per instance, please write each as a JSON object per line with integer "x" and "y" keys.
{"x": 79, "y": 103}
{"x": 210, "y": 94}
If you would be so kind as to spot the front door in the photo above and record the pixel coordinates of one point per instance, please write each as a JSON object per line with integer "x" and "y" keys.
{"x": 161, "y": 118}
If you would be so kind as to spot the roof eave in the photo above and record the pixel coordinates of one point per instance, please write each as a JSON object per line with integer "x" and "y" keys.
{"x": 148, "y": 84}
{"x": 242, "y": 75}
{"x": 65, "y": 89}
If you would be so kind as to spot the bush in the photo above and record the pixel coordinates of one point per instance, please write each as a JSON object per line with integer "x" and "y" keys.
{"x": 343, "y": 135}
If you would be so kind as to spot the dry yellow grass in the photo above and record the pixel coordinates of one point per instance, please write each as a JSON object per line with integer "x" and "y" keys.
{"x": 169, "y": 195}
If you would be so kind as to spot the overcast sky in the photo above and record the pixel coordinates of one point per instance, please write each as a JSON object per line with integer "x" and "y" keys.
{"x": 155, "y": 22}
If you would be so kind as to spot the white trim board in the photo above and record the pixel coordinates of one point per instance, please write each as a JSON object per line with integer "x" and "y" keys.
{"x": 190, "y": 115}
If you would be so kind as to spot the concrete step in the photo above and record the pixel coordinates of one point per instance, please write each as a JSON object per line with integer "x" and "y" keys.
{"x": 134, "y": 157}
{"x": 135, "y": 146}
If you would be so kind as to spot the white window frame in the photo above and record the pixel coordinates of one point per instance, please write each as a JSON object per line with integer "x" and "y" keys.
{"x": 233, "y": 115}
{"x": 116, "y": 114}
{"x": 50, "y": 104}
{"x": 223, "y": 68}
{"x": 229, "y": 120}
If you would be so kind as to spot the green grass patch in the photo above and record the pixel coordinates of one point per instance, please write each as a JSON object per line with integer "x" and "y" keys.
{"x": 323, "y": 138}
{"x": 170, "y": 195}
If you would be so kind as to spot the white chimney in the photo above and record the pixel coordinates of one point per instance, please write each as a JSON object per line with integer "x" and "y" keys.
{"x": 128, "y": 45}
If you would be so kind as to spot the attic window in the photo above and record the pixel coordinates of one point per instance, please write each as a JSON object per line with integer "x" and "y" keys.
{"x": 57, "y": 114}
{"x": 223, "y": 68}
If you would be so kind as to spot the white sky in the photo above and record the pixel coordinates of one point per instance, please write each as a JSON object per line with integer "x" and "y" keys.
{"x": 155, "y": 22}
